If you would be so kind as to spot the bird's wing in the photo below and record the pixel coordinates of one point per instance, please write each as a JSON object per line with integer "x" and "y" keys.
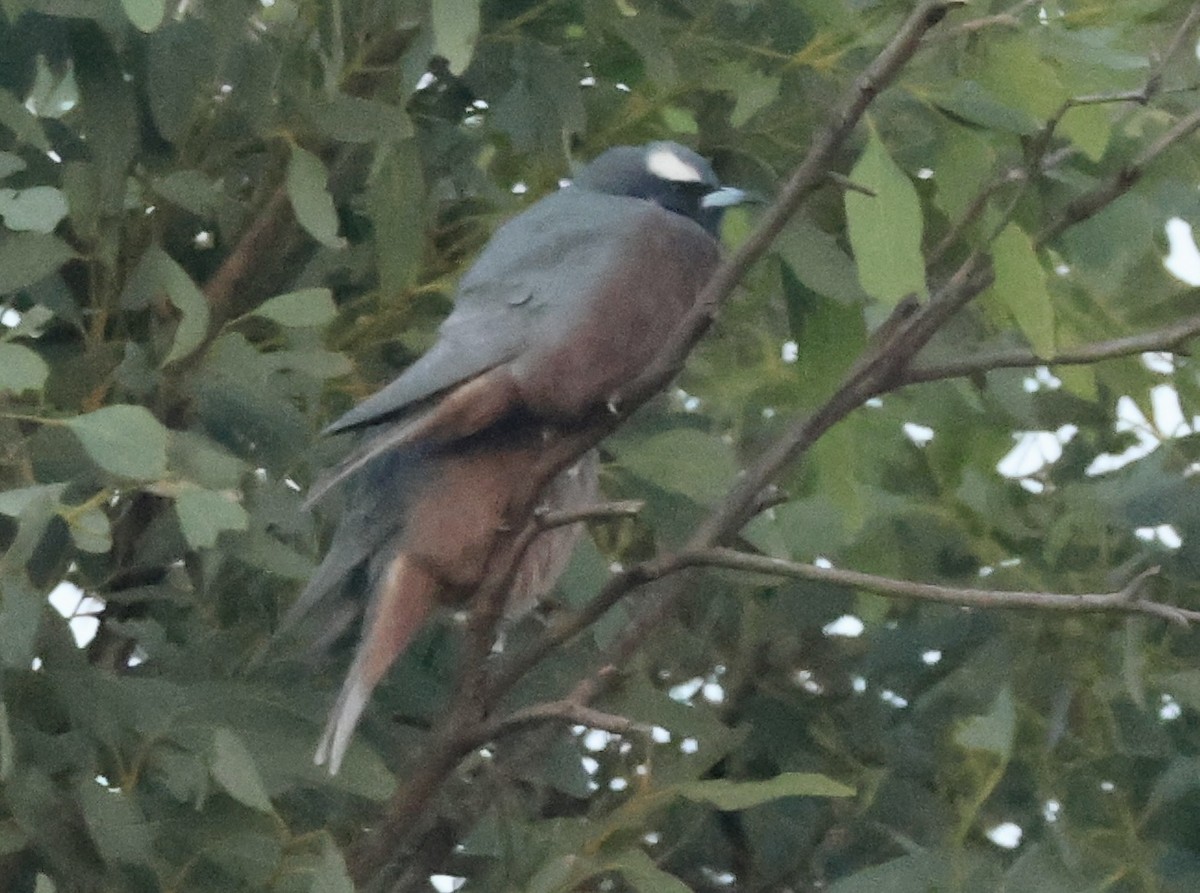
{"x": 534, "y": 278}
{"x": 373, "y": 516}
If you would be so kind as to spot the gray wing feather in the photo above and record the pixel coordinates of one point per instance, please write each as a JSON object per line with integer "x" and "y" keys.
{"x": 375, "y": 509}
{"x": 529, "y": 282}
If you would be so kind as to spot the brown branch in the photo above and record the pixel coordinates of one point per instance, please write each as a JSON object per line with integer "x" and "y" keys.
{"x": 274, "y": 217}
{"x": 604, "y": 511}
{"x": 562, "y": 711}
{"x": 455, "y": 735}
{"x": 1126, "y": 600}
{"x": 1010, "y": 18}
{"x": 744, "y": 499}
{"x": 881, "y": 370}
{"x": 1169, "y": 338}
{"x": 1091, "y": 203}
{"x": 810, "y": 175}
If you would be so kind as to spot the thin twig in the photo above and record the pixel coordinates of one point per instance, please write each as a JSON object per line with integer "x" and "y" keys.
{"x": 562, "y": 711}
{"x": 1010, "y": 18}
{"x": 1126, "y": 600}
{"x": 1091, "y": 203}
{"x": 603, "y": 511}
{"x": 1169, "y": 338}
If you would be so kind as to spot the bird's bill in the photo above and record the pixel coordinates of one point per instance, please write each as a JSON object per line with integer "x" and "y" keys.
{"x": 726, "y": 197}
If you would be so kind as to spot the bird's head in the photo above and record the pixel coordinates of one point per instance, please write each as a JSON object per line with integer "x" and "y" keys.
{"x": 665, "y": 173}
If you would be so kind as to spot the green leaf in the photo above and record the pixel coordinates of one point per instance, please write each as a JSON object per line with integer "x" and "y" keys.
{"x": 204, "y": 514}
{"x": 1020, "y": 287}
{"x": 234, "y": 770}
{"x": 21, "y": 369}
{"x": 90, "y": 529}
{"x": 680, "y": 120}
{"x": 190, "y": 190}
{"x": 352, "y": 119}
{"x": 455, "y": 25}
{"x": 752, "y": 90}
{"x": 640, "y": 872}
{"x": 194, "y": 457}
{"x": 188, "y": 300}
{"x": 994, "y": 731}
{"x": 1088, "y": 127}
{"x": 562, "y": 874}
{"x": 115, "y": 824}
{"x": 310, "y": 198}
{"x": 919, "y": 872}
{"x": 969, "y": 101}
{"x": 146, "y": 15}
{"x": 23, "y": 123}
{"x": 253, "y": 857}
{"x": 10, "y": 164}
{"x": 123, "y": 440}
{"x": 21, "y": 608}
{"x": 109, "y": 112}
{"x": 885, "y": 229}
{"x": 396, "y": 203}
{"x": 307, "y": 308}
{"x": 700, "y": 466}
{"x": 28, "y": 258}
{"x": 36, "y": 209}
{"x": 158, "y": 274}
{"x": 182, "y": 71}
{"x": 329, "y": 875}
{"x": 730, "y": 796}
{"x": 819, "y": 261}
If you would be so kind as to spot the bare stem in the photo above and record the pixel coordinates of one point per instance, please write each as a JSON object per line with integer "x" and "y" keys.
{"x": 1126, "y": 600}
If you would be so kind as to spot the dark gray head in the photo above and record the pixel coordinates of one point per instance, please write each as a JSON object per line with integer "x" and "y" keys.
{"x": 665, "y": 173}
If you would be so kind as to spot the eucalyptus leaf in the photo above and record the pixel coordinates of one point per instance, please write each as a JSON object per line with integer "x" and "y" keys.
{"x": 885, "y": 228}
{"x": 21, "y": 369}
{"x": 307, "y": 308}
{"x": 726, "y": 794}
{"x": 234, "y": 770}
{"x": 27, "y": 258}
{"x": 146, "y": 15}
{"x": 37, "y": 209}
{"x": 204, "y": 514}
{"x": 1021, "y": 288}
{"x": 310, "y": 198}
{"x": 455, "y": 25}
{"x": 123, "y": 440}
{"x": 117, "y": 826}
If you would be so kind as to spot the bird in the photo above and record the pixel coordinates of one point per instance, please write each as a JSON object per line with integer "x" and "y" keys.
{"x": 567, "y": 303}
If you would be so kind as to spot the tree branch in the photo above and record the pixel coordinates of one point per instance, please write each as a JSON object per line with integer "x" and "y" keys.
{"x": 1168, "y": 338}
{"x": 453, "y": 738}
{"x": 1091, "y": 203}
{"x": 272, "y": 219}
{"x": 1126, "y": 600}
{"x": 604, "y": 511}
{"x": 564, "y": 710}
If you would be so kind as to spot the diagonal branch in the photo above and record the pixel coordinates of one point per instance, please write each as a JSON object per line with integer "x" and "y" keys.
{"x": 743, "y": 500}
{"x": 453, "y": 739}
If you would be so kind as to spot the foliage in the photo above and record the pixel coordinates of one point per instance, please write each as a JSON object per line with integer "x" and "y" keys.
{"x": 225, "y": 222}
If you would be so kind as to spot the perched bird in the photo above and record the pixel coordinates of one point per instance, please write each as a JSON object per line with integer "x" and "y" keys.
{"x": 568, "y": 302}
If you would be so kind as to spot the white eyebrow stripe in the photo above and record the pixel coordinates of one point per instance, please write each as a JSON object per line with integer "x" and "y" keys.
{"x": 666, "y": 164}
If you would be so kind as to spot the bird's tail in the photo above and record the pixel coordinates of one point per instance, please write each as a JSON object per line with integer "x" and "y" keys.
{"x": 403, "y": 598}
